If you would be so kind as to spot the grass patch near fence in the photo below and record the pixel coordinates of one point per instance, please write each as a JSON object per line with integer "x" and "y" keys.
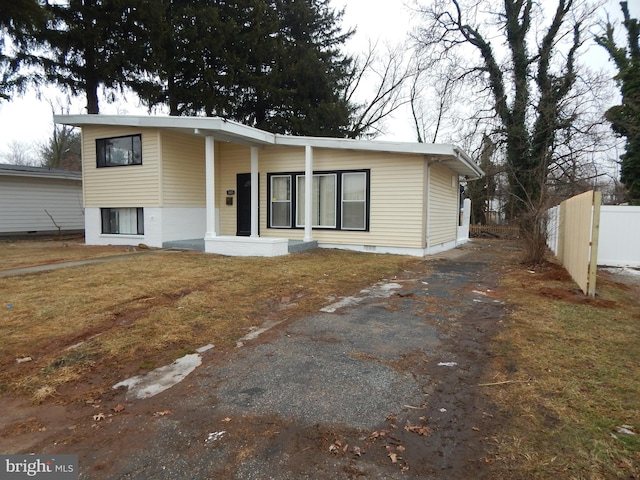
{"x": 581, "y": 357}
{"x": 97, "y": 324}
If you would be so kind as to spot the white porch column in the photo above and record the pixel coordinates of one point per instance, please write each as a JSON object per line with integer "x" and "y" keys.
{"x": 210, "y": 190}
{"x": 254, "y": 192}
{"x": 308, "y": 187}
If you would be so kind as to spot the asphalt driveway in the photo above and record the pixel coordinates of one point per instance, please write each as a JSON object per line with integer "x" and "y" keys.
{"x": 383, "y": 385}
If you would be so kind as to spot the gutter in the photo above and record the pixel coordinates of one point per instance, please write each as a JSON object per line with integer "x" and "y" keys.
{"x": 467, "y": 161}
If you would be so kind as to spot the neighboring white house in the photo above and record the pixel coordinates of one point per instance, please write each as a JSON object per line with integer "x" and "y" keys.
{"x": 243, "y": 191}
{"x": 36, "y": 200}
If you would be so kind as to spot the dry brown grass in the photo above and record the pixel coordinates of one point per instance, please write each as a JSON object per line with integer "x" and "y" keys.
{"x": 141, "y": 312}
{"x": 582, "y": 358}
{"x": 23, "y": 253}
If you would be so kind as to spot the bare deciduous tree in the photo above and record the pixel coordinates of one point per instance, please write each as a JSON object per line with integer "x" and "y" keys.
{"x": 20, "y": 153}
{"x": 525, "y": 88}
{"x": 377, "y": 88}
{"x": 63, "y": 149}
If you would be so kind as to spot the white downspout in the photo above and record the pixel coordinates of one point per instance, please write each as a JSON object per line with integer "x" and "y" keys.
{"x": 254, "y": 192}
{"x": 428, "y": 209}
{"x": 308, "y": 187}
{"x": 210, "y": 187}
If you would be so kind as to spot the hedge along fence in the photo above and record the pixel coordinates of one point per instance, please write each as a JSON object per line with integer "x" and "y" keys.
{"x": 573, "y": 231}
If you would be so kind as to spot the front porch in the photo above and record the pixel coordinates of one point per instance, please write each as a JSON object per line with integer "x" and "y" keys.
{"x": 243, "y": 246}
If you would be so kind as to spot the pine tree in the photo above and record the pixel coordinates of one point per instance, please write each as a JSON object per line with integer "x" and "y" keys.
{"x": 18, "y": 21}
{"x": 310, "y": 72}
{"x": 88, "y": 44}
{"x": 272, "y": 64}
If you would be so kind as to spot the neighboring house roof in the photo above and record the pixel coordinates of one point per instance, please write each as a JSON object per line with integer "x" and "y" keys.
{"x": 25, "y": 171}
{"x": 230, "y": 131}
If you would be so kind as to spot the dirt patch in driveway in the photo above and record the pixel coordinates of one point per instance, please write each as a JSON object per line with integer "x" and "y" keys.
{"x": 383, "y": 387}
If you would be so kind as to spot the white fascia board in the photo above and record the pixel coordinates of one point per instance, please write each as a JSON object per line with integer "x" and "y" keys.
{"x": 220, "y": 128}
{"x": 454, "y": 157}
{"x": 230, "y": 131}
{"x": 367, "y": 145}
{"x": 475, "y": 171}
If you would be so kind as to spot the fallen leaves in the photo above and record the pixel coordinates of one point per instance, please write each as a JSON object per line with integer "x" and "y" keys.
{"x": 395, "y": 458}
{"x": 390, "y": 440}
{"x": 337, "y": 448}
{"x": 419, "y": 429}
{"x": 162, "y": 413}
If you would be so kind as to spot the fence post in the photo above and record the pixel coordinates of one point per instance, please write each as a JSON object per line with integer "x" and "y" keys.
{"x": 562, "y": 211}
{"x": 595, "y": 233}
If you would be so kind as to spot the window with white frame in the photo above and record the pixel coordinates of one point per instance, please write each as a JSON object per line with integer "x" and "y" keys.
{"x": 122, "y": 221}
{"x": 340, "y": 200}
{"x": 280, "y": 203}
{"x": 323, "y": 200}
{"x": 354, "y": 201}
{"x": 119, "y": 151}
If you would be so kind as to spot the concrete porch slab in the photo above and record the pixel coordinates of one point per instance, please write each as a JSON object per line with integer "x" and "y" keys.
{"x": 196, "y": 244}
{"x": 243, "y": 246}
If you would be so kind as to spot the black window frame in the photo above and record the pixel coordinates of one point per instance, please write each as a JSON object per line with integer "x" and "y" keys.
{"x": 106, "y": 224}
{"x": 294, "y": 199}
{"x": 104, "y": 154}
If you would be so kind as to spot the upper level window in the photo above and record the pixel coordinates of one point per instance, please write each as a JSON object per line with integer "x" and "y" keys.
{"x": 119, "y": 151}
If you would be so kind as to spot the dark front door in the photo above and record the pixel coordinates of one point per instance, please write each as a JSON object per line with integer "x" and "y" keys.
{"x": 244, "y": 204}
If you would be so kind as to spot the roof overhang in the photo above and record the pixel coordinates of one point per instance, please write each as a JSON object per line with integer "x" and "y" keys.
{"x": 219, "y": 128}
{"x": 234, "y": 132}
{"x": 39, "y": 172}
{"x": 447, "y": 154}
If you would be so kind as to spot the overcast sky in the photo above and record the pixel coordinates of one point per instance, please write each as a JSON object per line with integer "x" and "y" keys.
{"x": 29, "y": 119}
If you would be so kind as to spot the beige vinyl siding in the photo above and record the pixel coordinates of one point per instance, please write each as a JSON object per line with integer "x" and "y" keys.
{"x": 396, "y": 192}
{"x": 443, "y": 205}
{"x": 231, "y": 160}
{"x": 183, "y": 170}
{"x": 126, "y": 186}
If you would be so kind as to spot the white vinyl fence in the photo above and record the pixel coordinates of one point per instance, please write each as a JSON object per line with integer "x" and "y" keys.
{"x": 618, "y": 236}
{"x": 619, "y": 241}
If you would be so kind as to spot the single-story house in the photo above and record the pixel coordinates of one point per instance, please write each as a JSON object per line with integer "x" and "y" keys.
{"x": 243, "y": 191}
{"x": 37, "y": 201}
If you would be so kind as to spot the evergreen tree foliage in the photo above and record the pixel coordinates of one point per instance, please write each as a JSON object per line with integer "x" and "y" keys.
{"x": 87, "y": 44}
{"x": 19, "y": 19}
{"x": 625, "y": 118}
{"x": 272, "y": 64}
{"x": 311, "y": 73}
